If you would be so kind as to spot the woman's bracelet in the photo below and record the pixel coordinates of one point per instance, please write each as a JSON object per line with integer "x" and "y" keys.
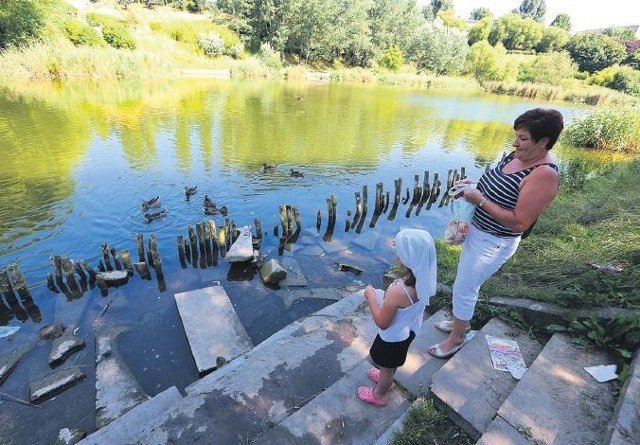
{"x": 483, "y": 202}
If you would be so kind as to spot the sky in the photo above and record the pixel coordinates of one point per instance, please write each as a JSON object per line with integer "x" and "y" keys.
{"x": 584, "y": 14}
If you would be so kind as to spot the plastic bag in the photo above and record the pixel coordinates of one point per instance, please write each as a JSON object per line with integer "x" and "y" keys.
{"x": 459, "y": 223}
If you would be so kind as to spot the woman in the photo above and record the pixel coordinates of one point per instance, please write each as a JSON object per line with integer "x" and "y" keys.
{"x": 509, "y": 199}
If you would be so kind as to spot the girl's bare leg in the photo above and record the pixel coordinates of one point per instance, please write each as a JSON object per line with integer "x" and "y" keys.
{"x": 384, "y": 383}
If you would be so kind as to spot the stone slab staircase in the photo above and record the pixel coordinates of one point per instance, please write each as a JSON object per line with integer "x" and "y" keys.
{"x": 299, "y": 387}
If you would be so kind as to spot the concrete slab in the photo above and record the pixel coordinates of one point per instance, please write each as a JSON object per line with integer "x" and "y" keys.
{"x": 469, "y": 388}
{"x": 55, "y": 383}
{"x": 295, "y": 277}
{"x": 64, "y": 346}
{"x": 212, "y": 327}
{"x": 557, "y": 401}
{"x": 117, "y": 390}
{"x": 338, "y": 416}
{"x": 121, "y": 429}
{"x": 242, "y": 248}
{"x": 625, "y": 422}
{"x": 500, "y": 432}
{"x": 9, "y": 360}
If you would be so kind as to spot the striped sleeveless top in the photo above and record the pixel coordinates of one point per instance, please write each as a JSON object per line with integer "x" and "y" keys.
{"x": 503, "y": 189}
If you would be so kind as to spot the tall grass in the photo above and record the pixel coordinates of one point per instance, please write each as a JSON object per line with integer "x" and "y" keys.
{"x": 56, "y": 61}
{"x": 616, "y": 129}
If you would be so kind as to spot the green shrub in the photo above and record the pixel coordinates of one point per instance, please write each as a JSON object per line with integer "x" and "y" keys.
{"x": 609, "y": 129}
{"x": 487, "y": 63}
{"x": 627, "y": 81}
{"x": 269, "y": 57}
{"x": 81, "y": 35}
{"x": 392, "y": 59}
{"x": 603, "y": 77}
{"x": 211, "y": 44}
{"x": 548, "y": 68}
{"x": 118, "y": 37}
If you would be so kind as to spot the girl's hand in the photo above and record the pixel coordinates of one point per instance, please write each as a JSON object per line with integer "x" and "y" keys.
{"x": 369, "y": 291}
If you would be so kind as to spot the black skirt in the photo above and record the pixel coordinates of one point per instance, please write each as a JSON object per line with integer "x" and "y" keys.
{"x": 390, "y": 354}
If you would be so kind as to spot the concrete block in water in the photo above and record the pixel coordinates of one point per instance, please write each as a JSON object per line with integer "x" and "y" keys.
{"x": 54, "y": 384}
{"x": 242, "y": 249}
{"x": 272, "y": 272}
{"x": 213, "y": 328}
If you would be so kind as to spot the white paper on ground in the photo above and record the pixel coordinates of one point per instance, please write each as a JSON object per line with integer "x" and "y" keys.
{"x": 506, "y": 356}
{"x": 602, "y": 373}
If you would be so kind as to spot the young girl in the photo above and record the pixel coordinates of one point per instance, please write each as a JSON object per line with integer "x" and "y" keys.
{"x": 399, "y": 315}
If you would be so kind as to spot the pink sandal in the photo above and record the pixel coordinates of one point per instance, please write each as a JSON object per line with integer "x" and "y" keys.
{"x": 374, "y": 374}
{"x": 366, "y": 394}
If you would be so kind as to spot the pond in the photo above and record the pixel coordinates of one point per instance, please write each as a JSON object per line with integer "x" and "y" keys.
{"x": 78, "y": 162}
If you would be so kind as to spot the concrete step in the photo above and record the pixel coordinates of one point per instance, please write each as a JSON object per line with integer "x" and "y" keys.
{"x": 468, "y": 387}
{"x": 337, "y": 416}
{"x": 557, "y": 401}
{"x": 241, "y": 400}
{"x": 122, "y": 429}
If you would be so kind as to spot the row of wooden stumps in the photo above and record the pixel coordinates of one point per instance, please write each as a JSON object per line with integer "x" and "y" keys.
{"x": 11, "y": 282}
{"x": 206, "y": 242}
{"x": 425, "y": 193}
{"x": 64, "y": 280}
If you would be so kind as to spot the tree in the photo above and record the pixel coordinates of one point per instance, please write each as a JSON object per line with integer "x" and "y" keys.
{"x": 394, "y": 23}
{"x": 534, "y": 9}
{"x": 439, "y": 49}
{"x": 562, "y": 21}
{"x": 23, "y": 20}
{"x": 480, "y": 31}
{"x": 620, "y": 33}
{"x": 553, "y": 39}
{"x": 593, "y": 52}
{"x": 488, "y": 63}
{"x": 516, "y": 32}
{"x": 431, "y": 10}
{"x": 480, "y": 13}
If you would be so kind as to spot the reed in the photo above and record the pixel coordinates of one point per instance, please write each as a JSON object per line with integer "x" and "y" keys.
{"x": 614, "y": 129}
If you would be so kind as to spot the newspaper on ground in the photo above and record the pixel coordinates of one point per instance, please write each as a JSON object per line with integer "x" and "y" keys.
{"x": 506, "y": 356}
{"x": 602, "y": 373}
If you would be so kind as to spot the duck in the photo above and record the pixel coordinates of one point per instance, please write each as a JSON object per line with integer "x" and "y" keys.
{"x": 153, "y": 202}
{"x": 267, "y": 167}
{"x": 189, "y": 191}
{"x": 296, "y": 174}
{"x": 156, "y": 215}
{"x": 208, "y": 202}
{"x": 213, "y": 210}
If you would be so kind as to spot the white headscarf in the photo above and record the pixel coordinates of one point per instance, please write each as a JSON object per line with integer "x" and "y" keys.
{"x": 417, "y": 251}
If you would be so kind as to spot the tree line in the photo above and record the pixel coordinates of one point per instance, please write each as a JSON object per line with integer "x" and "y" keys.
{"x": 390, "y": 33}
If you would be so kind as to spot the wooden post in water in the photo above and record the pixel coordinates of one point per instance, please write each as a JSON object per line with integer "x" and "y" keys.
{"x": 258, "y": 225}
{"x": 182, "y": 255}
{"x": 57, "y": 268}
{"x": 213, "y": 239}
{"x": 283, "y": 219}
{"x": 156, "y": 261}
{"x": 200, "y": 231}
{"x": 89, "y": 269}
{"x": 318, "y": 220}
{"x": 140, "y": 242}
{"x": 116, "y": 261}
{"x": 105, "y": 256}
{"x": 463, "y": 172}
{"x": 407, "y": 197}
{"x": 296, "y": 216}
{"x": 69, "y": 270}
{"x": 193, "y": 241}
{"x": 416, "y": 189}
{"x": 126, "y": 261}
{"x": 143, "y": 270}
{"x": 365, "y": 197}
{"x": 358, "y": 214}
{"x": 289, "y": 219}
{"x": 398, "y": 189}
{"x": 222, "y": 241}
{"x": 425, "y": 187}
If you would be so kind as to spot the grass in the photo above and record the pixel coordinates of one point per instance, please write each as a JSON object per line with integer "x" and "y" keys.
{"x": 425, "y": 424}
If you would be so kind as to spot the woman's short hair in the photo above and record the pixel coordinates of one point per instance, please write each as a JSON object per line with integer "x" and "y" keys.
{"x": 541, "y": 123}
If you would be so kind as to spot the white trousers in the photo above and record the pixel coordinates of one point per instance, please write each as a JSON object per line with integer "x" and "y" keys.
{"x": 482, "y": 255}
